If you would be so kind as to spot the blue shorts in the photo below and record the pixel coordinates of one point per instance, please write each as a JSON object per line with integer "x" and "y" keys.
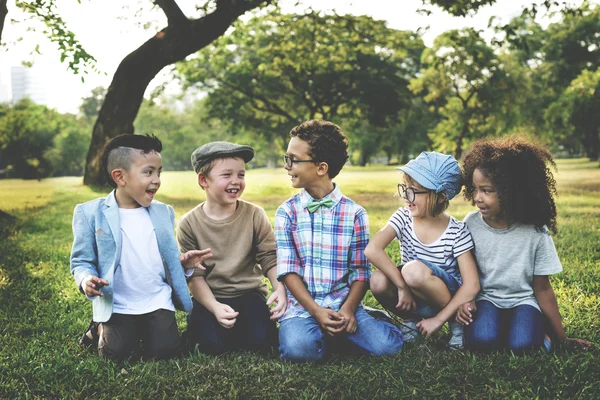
{"x": 424, "y": 310}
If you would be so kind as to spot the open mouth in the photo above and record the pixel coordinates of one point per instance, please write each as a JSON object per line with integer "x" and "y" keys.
{"x": 232, "y": 191}
{"x": 151, "y": 192}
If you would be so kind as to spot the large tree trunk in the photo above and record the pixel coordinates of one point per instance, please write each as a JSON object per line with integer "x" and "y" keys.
{"x": 3, "y": 13}
{"x": 181, "y": 38}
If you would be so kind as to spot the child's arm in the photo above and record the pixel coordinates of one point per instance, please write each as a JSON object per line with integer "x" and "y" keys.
{"x": 279, "y": 295}
{"x": 329, "y": 320}
{"x": 466, "y": 293}
{"x": 375, "y": 253}
{"x": 225, "y": 315}
{"x": 84, "y": 259}
{"x": 546, "y": 298}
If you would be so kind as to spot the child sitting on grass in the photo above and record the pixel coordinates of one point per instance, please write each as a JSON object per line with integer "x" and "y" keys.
{"x": 510, "y": 183}
{"x": 230, "y": 309}
{"x": 321, "y": 236}
{"x": 438, "y": 273}
{"x": 125, "y": 256}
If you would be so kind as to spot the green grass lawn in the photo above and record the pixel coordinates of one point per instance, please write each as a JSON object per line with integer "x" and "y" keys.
{"x": 42, "y": 314}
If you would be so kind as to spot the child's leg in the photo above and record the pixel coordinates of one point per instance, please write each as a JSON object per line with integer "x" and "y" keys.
{"x": 385, "y": 292}
{"x": 205, "y": 332}
{"x": 428, "y": 282}
{"x": 525, "y": 329}
{"x": 160, "y": 336}
{"x": 485, "y": 332}
{"x": 254, "y": 329}
{"x": 373, "y": 337}
{"x": 301, "y": 340}
{"x": 119, "y": 338}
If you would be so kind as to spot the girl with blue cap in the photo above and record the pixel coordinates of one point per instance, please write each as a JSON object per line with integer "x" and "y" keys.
{"x": 438, "y": 272}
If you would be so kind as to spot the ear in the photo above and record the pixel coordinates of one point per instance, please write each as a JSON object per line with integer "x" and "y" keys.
{"x": 118, "y": 175}
{"x": 202, "y": 181}
{"x": 322, "y": 168}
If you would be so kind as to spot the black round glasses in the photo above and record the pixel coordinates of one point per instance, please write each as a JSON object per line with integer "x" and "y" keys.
{"x": 289, "y": 161}
{"x": 409, "y": 193}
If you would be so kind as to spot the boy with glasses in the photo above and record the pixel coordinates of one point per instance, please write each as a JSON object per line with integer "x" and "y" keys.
{"x": 321, "y": 236}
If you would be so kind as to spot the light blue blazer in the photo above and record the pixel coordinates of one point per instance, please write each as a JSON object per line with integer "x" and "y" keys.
{"x": 97, "y": 249}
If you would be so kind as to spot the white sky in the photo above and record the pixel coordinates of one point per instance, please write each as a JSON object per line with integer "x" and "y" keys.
{"x": 106, "y": 33}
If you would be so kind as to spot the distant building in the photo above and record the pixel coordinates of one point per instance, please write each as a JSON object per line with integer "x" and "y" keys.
{"x": 28, "y": 82}
{"x": 4, "y": 94}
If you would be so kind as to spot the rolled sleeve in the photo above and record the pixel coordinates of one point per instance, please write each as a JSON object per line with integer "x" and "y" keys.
{"x": 360, "y": 269}
{"x": 287, "y": 257}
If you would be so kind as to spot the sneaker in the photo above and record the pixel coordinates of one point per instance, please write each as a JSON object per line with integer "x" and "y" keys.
{"x": 456, "y": 335}
{"x": 378, "y": 314}
{"x": 410, "y": 331}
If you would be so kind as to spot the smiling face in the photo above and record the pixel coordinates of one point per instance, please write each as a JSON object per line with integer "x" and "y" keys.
{"x": 486, "y": 199}
{"x": 225, "y": 182}
{"x": 137, "y": 185}
{"x": 418, "y": 207}
{"x": 303, "y": 174}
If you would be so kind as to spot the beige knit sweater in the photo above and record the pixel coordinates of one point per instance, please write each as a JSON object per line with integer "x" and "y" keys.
{"x": 243, "y": 248}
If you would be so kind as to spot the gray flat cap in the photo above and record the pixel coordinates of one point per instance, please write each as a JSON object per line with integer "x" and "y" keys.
{"x": 212, "y": 150}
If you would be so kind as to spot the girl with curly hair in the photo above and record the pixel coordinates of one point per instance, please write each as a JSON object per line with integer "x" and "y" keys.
{"x": 510, "y": 182}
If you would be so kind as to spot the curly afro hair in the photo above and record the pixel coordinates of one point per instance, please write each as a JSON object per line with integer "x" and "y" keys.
{"x": 518, "y": 168}
{"x": 327, "y": 143}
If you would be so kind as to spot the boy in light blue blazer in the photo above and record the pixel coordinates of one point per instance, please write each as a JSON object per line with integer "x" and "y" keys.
{"x": 125, "y": 257}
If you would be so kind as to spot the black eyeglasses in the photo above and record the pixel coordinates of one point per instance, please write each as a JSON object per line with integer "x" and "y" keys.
{"x": 289, "y": 161}
{"x": 409, "y": 193}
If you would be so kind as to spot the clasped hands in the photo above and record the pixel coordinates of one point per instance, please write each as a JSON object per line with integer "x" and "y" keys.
{"x": 336, "y": 322}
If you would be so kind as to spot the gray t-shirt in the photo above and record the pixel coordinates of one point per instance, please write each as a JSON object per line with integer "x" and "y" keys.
{"x": 509, "y": 258}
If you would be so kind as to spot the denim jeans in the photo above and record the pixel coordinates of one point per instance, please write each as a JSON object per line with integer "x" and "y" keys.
{"x": 253, "y": 329}
{"x": 519, "y": 329}
{"x": 424, "y": 310}
{"x": 303, "y": 340}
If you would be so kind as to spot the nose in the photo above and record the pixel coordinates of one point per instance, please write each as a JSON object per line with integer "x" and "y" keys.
{"x": 476, "y": 196}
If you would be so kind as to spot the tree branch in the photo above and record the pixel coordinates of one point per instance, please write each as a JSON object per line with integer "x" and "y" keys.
{"x": 175, "y": 16}
{"x": 3, "y": 13}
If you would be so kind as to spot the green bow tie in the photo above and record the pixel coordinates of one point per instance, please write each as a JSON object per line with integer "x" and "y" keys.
{"x": 315, "y": 204}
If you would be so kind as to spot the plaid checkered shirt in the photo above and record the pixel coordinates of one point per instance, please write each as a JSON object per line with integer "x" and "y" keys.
{"x": 325, "y": 248}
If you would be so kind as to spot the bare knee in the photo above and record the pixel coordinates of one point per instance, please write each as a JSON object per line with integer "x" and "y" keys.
{"x": 415, "y": 274}
{"x": 380, "y": 284}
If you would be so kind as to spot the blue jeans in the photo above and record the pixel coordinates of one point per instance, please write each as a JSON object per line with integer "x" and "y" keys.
{"x": 424, "y": 310}
{"x": 303, "y": 340}
{"x": 253, "y": 329}
{"x": 519, "y": 329}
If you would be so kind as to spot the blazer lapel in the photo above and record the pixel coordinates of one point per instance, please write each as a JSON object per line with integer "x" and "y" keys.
{"x": 111, "y": 213}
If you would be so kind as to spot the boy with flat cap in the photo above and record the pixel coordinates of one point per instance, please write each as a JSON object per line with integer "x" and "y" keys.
{"x": 230, "y": 310}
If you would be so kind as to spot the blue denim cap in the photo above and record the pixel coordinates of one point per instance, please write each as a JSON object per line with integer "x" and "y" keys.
{"x": 435, "y": 171}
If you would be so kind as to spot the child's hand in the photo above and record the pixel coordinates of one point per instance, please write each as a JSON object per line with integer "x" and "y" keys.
{"x": 195, "y": 258}
{"x": 93, "y": 285}
{"x": 406, "y": 301}
{"x": 330, "y": 321}
{"x": 430, "y": 326}
{"x": 225, "y": 315}
{"x": 279, "y": 297}
{"x": 465, "y": 312}
{"x": 349, "y": 319}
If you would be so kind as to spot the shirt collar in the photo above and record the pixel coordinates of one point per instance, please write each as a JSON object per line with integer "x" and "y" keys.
{"x": 335, "y": 195}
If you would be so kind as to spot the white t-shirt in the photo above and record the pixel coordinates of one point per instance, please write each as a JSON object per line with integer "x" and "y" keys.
{"x": 509, "y": 258}
{"x": 455, "y": 241}
{"x": 139, "y": 282}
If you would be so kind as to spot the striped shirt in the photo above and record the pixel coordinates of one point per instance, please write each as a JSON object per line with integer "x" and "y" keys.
{"x": 325, "y": 248}
{"x": 455, "y": 241}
